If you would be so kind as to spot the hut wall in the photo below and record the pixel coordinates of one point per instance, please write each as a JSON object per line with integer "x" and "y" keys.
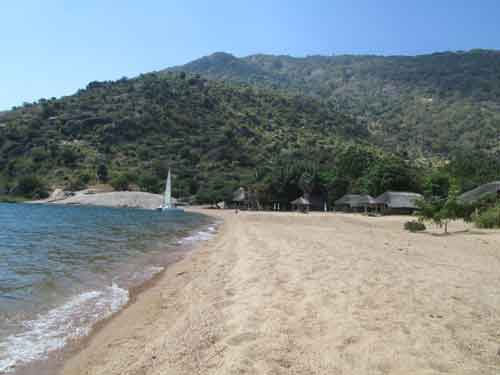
{"x": 343, "y": 208}
{"x": 398, "y": 210}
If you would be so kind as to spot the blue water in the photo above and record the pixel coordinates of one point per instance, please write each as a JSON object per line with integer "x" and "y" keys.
{"x": 62, "y": 269}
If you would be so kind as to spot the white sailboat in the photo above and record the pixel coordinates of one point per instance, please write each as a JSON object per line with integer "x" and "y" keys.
{"x": 168, "y": 203}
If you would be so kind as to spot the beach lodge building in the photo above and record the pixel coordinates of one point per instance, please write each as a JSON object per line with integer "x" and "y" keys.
{"x": 244, "y": 200}
{"x": 391, "y": 202}
{"x": 301, "y": 204}
{"x": 310, "y": 201}
{"x": 356, "y": 203}
{"x": 477, "y": 193}
{"x": 398, "y": 202}
{"x": 239, "y": 199}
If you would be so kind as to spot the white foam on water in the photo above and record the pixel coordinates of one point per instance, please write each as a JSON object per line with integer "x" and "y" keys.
{"x": 203, "y": 235}
{"x": 153, "y": 270}
{"x": 147, "y": 274}
{"x": 200, "y": 236}
{"x": 52, "y": 330}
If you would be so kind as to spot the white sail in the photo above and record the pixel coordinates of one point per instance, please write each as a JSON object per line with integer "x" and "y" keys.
{"x": 167, "y": 198}
{"x": 168, "y": 201}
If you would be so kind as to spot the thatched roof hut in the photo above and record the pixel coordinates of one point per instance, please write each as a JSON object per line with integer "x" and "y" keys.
{"x": 348, "y": 200}
{"x": 399, "y": 201}
{"x": 239, "y": 195}
{"x": 301, "y": 204}
{"x": 244, "y": 199}
{"x": 355, "y": 202}
{"x": 475, "y": 194}
{"x": 366, "y": 200}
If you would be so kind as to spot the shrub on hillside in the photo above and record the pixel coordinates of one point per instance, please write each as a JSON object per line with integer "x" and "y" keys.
{"x": 121, "y": 182}
{"x": 79, "y": 182}
{"x": 39, "y": 154}
{"x": 69, "y": 156}
{"x": 102, "y": 173}
{"x": 415, "y": 226}
{"x": 148, "y": 182}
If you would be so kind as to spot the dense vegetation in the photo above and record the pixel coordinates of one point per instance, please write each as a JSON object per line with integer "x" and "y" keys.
{"x": 483, "y": 211}
{"x": 489, "y": 218}
{"x": 217, "y": 136}
{"x": 214, "y": 136}
{"x": 425, "y": 105}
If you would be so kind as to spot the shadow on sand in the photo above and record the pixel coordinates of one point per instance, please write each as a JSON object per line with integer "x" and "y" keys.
{"x": 458, "y": 233}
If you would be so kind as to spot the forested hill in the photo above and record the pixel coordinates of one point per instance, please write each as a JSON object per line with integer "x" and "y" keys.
{"x": 214, "y": 136}
{"x": 217, "y": 135}
{"x": 430, "y": 104}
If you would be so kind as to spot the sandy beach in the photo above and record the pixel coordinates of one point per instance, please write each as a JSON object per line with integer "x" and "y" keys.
{"x": 313, "y": 294}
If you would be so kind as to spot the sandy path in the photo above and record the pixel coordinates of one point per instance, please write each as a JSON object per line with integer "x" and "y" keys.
{"x": 313, "y": 294}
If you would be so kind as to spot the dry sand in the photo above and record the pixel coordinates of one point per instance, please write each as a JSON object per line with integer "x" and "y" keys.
{"x": 313, "y": 294}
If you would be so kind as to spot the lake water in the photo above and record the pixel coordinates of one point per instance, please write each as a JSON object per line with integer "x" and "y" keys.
{"x": 62, "y": 269}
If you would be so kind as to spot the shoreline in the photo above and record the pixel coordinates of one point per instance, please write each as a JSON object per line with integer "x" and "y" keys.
{"x": 175, "y": 271}
{"x": 57, "y": 358}
{"x": 290, "y": 293}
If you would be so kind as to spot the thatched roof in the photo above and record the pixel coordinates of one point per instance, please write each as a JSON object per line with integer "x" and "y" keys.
{"x": 365, "y": 199}
{"x": 347, "y": 200}
{"x": 301, "y": 202}
{"x": 477, "y": 193}
{"x": 356, "y": 200}
{"x": 239, "y": 195}
{"x": 399, "y": 199}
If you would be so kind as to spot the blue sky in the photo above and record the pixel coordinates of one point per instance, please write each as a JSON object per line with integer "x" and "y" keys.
{"x": 53, "y": 47}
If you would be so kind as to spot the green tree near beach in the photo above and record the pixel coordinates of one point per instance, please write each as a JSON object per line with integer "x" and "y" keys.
{"x": 31, "y": 187}
{"x": 489, "y": 218}
{"x": 442, "y": 211}
{"x": 121, "y": 182}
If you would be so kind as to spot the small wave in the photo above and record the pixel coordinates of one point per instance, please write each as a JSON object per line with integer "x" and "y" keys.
{"x": 146, "y": 274}
{"x": 203, "y": 235}
{"x": 51, "y": 331}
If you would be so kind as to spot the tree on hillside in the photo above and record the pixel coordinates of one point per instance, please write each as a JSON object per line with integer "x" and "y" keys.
{"x": 69, "y": 156}
{"x": 31, "y": 187}
{"x": 121, "y": 182}
{"x": 102, "y": 173}
{"x": 148, "y": 182}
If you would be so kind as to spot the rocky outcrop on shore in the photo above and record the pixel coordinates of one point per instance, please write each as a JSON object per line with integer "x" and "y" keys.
{"x": 119, "y": 199}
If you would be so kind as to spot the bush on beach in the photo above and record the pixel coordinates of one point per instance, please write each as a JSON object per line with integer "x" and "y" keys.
{"x": 414, "y": 226}
{"x": 488, "y": 219}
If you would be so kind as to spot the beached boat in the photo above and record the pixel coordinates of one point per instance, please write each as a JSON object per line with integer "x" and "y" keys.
{"x": 168, "y": 202}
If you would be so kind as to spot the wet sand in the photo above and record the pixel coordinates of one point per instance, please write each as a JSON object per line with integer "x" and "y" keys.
{"x": 313, "y": 294}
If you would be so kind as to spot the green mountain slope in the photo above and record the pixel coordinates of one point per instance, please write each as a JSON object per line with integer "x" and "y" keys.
{"x": 429, "y": 104}
{"x": 217, "y": 135}
{"x": 214, "y": 136}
